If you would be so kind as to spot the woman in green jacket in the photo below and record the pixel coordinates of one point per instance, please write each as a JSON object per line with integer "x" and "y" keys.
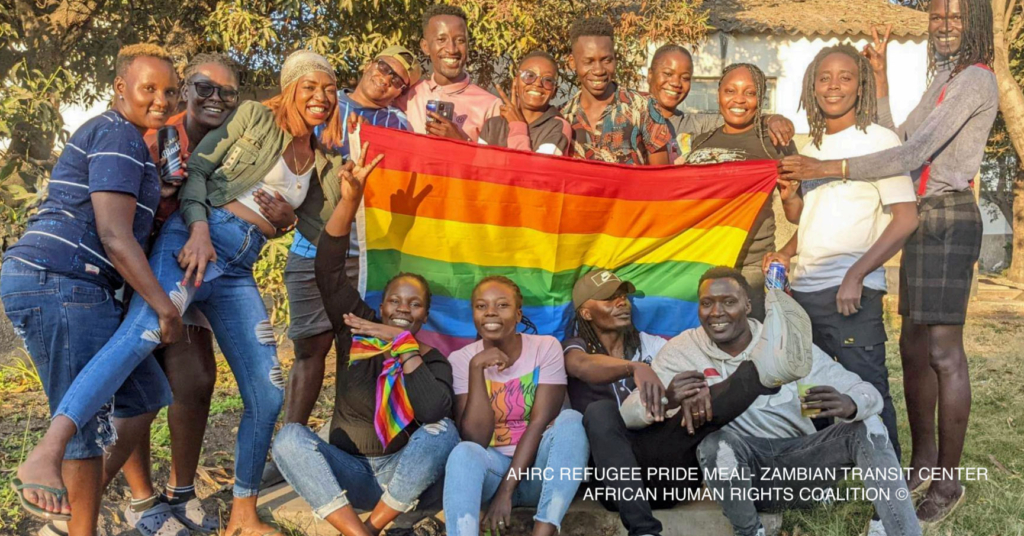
{"x": 247, "y": 182}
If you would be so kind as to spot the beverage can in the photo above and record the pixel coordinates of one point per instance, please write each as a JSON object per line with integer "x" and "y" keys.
{"x": 776, "y": 277}
{"x": 172, "y": 169}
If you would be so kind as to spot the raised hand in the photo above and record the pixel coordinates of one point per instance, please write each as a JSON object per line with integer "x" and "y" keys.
{"x": 510, "y": 109}
{"x": 366, "y": 328}
{"x": 875, "y": 51}
{"x": 353, "y": 175}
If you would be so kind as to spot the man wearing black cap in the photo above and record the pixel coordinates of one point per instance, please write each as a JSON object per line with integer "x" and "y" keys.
{"x": 606, "y": 359}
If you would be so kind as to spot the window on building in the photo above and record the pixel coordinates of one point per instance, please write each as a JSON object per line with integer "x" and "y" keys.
{"x": 703, "y": 97}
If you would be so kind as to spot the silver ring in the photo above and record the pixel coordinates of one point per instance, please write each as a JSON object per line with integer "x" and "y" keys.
{"x": 664, "y": 401}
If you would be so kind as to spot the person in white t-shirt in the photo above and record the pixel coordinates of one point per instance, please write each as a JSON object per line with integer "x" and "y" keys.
{"x": 848, "y": 229}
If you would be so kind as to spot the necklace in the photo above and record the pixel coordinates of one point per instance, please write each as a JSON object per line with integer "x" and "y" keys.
{"x": 299, "y": 169}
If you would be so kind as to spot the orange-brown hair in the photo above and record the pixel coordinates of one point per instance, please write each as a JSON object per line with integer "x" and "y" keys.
{"x": 288, "y": 118}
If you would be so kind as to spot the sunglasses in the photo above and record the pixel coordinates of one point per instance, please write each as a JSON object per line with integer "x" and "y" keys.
{"x": 205, "y": 90}
{"x": 529, "y": 77}
{"x": 392, "y": 77}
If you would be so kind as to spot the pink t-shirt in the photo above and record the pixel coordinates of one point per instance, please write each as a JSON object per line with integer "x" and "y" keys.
{"x": 512, "y": 391}
{"x": 473, "y": 105}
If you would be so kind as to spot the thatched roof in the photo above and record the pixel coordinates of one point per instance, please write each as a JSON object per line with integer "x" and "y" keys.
{"x": 810, "y": 17}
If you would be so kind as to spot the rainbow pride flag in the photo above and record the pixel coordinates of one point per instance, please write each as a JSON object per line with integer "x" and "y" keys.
{"x": 455, "y": 212}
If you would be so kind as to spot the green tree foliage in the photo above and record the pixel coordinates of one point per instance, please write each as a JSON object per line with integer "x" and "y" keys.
{"x": 56, "y": 53}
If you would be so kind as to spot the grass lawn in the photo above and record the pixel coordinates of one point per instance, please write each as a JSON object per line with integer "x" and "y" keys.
{"x": 995, "y": 441}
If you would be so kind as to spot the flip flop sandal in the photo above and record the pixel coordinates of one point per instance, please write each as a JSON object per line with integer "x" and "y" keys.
{"x": 949, "y": 510}
{"x": 917, "y": 494}
{"x": 19, "y": 489}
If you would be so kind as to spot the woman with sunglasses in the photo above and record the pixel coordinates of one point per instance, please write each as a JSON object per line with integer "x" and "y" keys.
{"x": 210, "y": 92}
{"x": 206, "y": 255}
{"x": 528, "y": 122}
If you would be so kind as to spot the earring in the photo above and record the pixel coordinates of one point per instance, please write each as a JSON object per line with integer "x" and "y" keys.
{"x": 120, "y": 97}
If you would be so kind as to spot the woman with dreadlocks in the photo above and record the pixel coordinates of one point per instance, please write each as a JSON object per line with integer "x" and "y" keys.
{"x": 744, "y": 136}
{"x": 517, "y": 450}
{"x": 943, "y": 143}
{"x": 848, "y": 229}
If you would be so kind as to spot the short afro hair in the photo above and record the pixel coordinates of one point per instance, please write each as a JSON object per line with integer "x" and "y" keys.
{"x": 440, "y": 10}
{"x": 538, "y": 54}
{"x": 129, "y": 53}
{"x": 664, "y": 50}
{"x": 725, "y": 272}
{"x": 590, "y": 27}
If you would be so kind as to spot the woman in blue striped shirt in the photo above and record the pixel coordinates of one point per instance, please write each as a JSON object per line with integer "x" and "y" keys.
{"x": 88, "y": 239}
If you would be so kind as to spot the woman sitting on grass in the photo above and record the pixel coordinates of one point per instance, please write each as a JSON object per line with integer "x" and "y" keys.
{"x": 509, "y": 390}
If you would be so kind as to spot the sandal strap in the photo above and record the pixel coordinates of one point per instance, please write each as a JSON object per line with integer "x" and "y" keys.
{"x": 20, "y": 486}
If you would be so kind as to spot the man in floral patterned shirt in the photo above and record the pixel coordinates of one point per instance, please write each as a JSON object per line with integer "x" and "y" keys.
{"x": 609, "y": 123}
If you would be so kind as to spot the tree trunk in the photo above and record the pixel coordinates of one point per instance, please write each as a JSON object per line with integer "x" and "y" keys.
{"x": 1011, "y": 102}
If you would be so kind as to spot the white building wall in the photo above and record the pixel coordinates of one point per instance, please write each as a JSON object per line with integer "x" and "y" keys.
{"x": 786, "y": 57}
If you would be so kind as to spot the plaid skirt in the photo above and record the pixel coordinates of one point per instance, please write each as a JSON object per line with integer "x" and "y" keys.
{"x": 938, "y": 260}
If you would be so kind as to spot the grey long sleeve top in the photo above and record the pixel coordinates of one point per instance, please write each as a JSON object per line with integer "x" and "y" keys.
{"x": 952, "y": 134}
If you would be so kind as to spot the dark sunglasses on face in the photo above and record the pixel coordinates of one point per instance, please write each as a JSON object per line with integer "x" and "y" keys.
{"x": 205, "y": 90}
{"x": 392, "y": 77}
{"x": 529, "y": 77}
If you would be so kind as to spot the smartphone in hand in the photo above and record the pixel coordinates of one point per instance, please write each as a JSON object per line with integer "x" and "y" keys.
{"x": 443, "y": 108}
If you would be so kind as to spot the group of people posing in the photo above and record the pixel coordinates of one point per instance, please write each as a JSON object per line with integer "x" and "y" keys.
{"x": 513, "y": 418}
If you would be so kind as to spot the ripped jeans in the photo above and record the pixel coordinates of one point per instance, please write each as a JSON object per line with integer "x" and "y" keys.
{"x": 753, "y": 474}
{"x": 329, "y": 478}
{"x": 232, "y": 303}
{"x": 474, "y": 474}
{"x": 64, "y": 321}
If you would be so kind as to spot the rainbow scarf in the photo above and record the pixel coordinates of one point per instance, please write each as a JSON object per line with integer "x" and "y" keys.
{"x": 393, "y": 411}
{"x": 454, "y": 212}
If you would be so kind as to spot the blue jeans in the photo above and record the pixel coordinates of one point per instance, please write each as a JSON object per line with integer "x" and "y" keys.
{"x": 233, "y": 305}
{"x": 474, "y": 474}
{"x": 865, "y": 445}
{"x": 398, "y": 479}
{"x": 64, "y": 321}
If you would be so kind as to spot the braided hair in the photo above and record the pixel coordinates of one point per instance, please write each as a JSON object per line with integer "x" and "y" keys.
{"x": 416, "y": 277}
{"x": 976, "y": 43}
{"x": 217, "y": 58}
{"x": 530, "y": 326}
{"x": 867, "y": 102}
{"x": 582, "y": 328}
{"x": 761, "y": 89}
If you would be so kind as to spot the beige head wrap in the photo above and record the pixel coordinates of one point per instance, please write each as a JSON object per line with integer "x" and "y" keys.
{"x": 303, "y": 62}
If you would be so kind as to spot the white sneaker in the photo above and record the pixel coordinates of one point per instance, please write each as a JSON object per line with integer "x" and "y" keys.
{"x": 157, "y": 521}
{"x": 875, "y": 528}
{"x": 784, "y": 352}
{"x": 192, "y": 514}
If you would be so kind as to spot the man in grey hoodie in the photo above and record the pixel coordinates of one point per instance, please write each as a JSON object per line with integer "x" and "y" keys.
{"x": 771, "y": 456}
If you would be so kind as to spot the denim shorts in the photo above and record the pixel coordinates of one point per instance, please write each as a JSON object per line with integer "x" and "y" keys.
{"x": 64, "y": 322}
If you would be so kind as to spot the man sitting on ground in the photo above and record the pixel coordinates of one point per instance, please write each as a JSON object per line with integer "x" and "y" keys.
{"x": 774, "y": 433}
{"x": 607, "y": 359}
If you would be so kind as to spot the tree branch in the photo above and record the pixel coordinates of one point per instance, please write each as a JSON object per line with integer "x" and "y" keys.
{"x": 1014, "y": 34}
{"x": 1008, "y": 14}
